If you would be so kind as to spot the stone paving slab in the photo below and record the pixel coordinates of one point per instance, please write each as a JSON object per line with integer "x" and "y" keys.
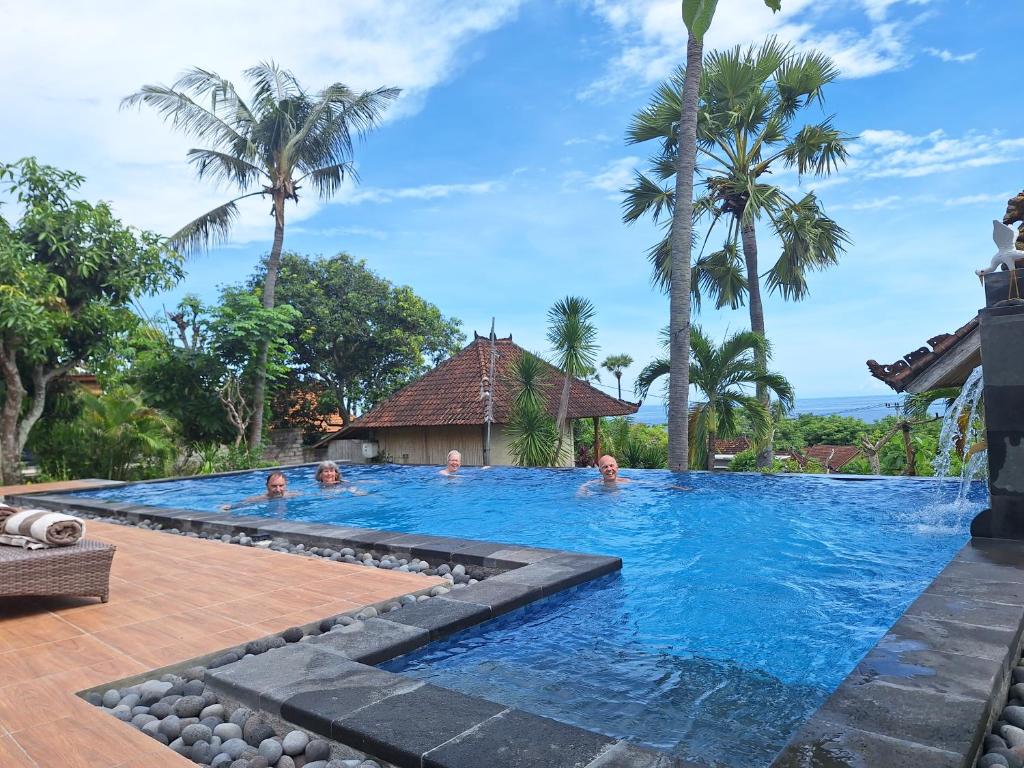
{"x": 625, "y": 755}
{"x": 822, "y": 744}
{"x": 403, "y": 727}
{"x": 514, "y": 739}
{"x": 913, "y": 665}
{"x": 373, "y": 640}
{"x": 499, "y": 597}
{"x": 441, "y": 616}
{"x": 942, "y": 721}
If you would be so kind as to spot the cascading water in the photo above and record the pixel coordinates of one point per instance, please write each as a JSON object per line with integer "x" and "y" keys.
{"x": 962, "y": 425}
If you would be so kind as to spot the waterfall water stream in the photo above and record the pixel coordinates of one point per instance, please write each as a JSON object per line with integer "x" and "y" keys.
{"x": 962, "y": 426}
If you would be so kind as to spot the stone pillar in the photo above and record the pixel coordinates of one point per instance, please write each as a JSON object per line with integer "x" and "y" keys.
{"x": 1002, "y": 362}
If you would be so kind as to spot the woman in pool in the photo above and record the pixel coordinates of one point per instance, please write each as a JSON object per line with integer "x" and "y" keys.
{"x": 329, "y": 476}
{"x": 454, "y": 462}
{"x": 327, "y": 473}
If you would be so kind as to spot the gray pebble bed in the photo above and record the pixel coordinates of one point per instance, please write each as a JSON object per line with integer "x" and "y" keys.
{"x": 181, "y": 712}
{"x": 1004, "y": 744}
{"x": 456, "y": 575}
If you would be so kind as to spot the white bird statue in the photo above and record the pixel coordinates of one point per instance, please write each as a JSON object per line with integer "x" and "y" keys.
{"x": 1007, "y": 253}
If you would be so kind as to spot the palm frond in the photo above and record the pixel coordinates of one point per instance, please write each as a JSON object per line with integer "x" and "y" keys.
{"x": 327, "y": 180}
{"x": 224, "y": 166}
{"x": 212, "y": 228}
{"x": 188, "y": 116}
{"x": 645, "y": 197}
{"x": 651, "y": 372}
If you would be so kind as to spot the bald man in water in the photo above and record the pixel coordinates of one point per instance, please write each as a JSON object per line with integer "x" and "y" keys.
{"x": 609, "y": 469}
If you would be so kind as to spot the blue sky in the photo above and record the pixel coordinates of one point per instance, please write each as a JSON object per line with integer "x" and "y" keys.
{"x": 492, "y": 187}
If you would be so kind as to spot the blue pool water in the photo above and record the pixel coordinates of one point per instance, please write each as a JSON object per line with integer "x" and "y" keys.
{"x": 742, "y": 602}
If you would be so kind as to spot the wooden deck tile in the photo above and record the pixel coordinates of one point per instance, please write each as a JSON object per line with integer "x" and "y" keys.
{"x": 173, "y": 598}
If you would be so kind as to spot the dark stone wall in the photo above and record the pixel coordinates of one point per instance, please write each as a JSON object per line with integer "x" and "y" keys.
{"x": 1002, "y": 358}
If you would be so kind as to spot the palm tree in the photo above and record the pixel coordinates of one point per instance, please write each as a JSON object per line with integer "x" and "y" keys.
{"x": 615, "y": 364}
{"x": 682, "y": 138}
{"x": 532, "y": 430}
{"x": 750, "y": 100}
{"x": 722, "y": 373}
{"x": 283, "y": 136}
{"x": 572, "y": 336}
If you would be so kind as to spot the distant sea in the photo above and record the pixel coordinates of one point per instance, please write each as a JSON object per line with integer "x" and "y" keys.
{"x": 867, "y": 408}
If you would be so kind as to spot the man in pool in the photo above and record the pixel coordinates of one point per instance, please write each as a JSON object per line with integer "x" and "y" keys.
{"x": 454, "y": 462}
{"x": 609, "y": 469}
{"x": 277, "y": 488}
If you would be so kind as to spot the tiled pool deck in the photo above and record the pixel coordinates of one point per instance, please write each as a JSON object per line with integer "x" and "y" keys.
{"x": 219, "y": 596}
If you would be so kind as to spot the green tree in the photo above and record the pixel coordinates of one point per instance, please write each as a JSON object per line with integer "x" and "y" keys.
{"x": 69, "y": 271}
{"x": 722, "y": 373}
{"x": 200, "y": 366}
{"x": 534, "y": 434}
{"x": 359, "y": 337}
{"x": 573, "y": 338}
{"x": 615, "y": 364}
{"x": 749, "y": 103}
{"x": 267, "y": 146}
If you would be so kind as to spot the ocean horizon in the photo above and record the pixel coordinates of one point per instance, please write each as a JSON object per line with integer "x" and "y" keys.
{"x": 868, "y": 408}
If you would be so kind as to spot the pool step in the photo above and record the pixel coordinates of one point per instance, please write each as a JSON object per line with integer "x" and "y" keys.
{"x": 317, "y": 686}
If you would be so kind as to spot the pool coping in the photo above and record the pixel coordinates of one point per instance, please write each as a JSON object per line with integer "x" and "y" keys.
{"x": 929, "y": 690}
{"x": 317, "y": 673}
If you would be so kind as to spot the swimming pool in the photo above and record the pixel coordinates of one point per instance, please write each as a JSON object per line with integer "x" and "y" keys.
{"x": 741, "y": 604}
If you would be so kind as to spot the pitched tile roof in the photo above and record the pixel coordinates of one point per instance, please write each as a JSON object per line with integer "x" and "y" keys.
{"x": 898, "y": 375}
{"x": 832, "y": 457}
{"x": 452, "y": 393}
{"x": 732, "y": 446}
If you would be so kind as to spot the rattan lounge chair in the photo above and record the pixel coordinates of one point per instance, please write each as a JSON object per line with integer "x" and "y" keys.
{"x": 81, "y": 570}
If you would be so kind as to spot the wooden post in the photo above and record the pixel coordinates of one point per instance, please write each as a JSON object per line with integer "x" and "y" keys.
{"x": 597, "y": 438}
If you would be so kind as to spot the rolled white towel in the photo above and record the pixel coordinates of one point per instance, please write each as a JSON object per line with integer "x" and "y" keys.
{"x": 53, "y": 528}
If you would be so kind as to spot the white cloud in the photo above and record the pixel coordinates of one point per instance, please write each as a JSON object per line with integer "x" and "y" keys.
{"x": 615, "y": 175}
{"x": 949, "y": 56}
{"x": 425, "y": 192}
{"x": 881, "y": 154}
{"x": 68, "y": 65}
{"x": 654, "y": 36}
{"x": 599, "y": 138}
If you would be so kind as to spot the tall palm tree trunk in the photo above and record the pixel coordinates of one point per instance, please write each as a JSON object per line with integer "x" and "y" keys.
{"x": 712, "y": 437}
{"x": 680, "y": 243}
{"x": 749, "y": 236}
{"x": 269, "y": 288}
{"x": 562, "y": 418}
{"x": 618, "y": 377}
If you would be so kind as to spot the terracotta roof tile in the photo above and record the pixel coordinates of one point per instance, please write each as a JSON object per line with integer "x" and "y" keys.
{"x": 897, "y": 375}
{"x": 731, "y": 447}
{"x": 452, "y": 393}
{"x": 832, "y": 457}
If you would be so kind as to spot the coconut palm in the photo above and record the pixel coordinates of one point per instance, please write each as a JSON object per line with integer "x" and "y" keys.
{"x": 722, "y": 375}
{"x": 749, "y": 103}
{"x": 272, "y": 145}
{"x": 572, "y": 335}
{"x": 616, "y": 364}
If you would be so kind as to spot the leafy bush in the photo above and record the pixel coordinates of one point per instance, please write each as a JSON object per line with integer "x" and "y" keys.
{"x": 113, "y": 435}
